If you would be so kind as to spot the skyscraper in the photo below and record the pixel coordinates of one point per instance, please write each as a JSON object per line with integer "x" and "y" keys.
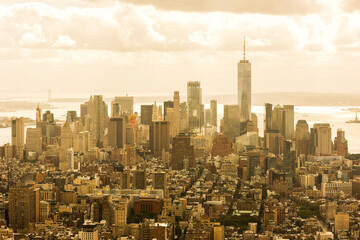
{"x": 24, "y": 205}
{"x": 176, "y": 115}
{"x": 97, "y": 109}
{"x": 231, "y": 123}
{"x": 183, "y": 154}
{"x": 70, "y": 159}
{"x": 302, "y": 137}
{"x": 268, "y": 117}
{"x": 194, "y": 100}
{"x": 125, "y": 103}
{"x": 322, "y": 137}
{"x": 341, "y": 144}
{"x": 244, "y": 89}
{"x": 146, "y": 114}
{"x": 213, "y": 112}
{"x": 159, "y": 137}
{"x": 289, "y": 121}
{"x": 167, "y": 104}
{"x": 117, "y": 132}
{"x": 17, "y": 131}
{"x": 140, "y": 179}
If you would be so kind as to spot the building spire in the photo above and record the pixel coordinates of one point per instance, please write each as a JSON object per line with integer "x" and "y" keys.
{"x": 244, "y": 48}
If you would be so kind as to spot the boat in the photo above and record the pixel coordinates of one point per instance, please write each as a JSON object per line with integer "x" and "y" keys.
{"x": 354, "y": 121}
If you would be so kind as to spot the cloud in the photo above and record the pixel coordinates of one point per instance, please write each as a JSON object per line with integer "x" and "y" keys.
{"x": 350, "y": 5}
{"x": 277, "y": 7}
{"x": 34, "y": 37}
{"x": 64, "y": 42}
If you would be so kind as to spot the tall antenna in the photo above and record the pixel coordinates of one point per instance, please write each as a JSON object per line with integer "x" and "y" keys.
{"x": 244, "y": 48}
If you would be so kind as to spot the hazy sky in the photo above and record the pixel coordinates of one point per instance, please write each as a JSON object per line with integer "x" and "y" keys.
{"x": 156, "y": 46}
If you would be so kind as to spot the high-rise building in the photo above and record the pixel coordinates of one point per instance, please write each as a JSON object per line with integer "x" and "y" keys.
{"x": 288, "y": 121}
{"x": 146, "y": 114}
{"x": 24, "y": 207}
{"x": 18, "y": 136}
{"x": 289, "y": 157}
{"x": 341, "y": 144}
{"x": 33, "y": 140}
{"x": 253, "y": 162}
{"x": 231, "y": 122}
{"x": 221, "y": 146}
{"x": 48, "y": 117}
{"x": 38, "y": 114}
{"x": 194, "y": 101}
{"x": 71, "y": 116}
{"x": 157, "y": 113}
{"x": 97, "y": 110}
{"x": 89, "y": 231}
{"x": 167, "y": 104}
{"x": 302, "y": 138}
{"x": 213, "y": 112}
{"x": 278, "y": 119}
{"x": 159, "y": 137}
{"x": 175, "y": 125}
{"x": 322, "y": 137}
{"x": 244, "y": 89}
{"x": 115, "y": 110}
{"x": 341, "y": 222}
{"x": 183, "y": 154}
{"x": 125, "y": 180}
{"x": 184, "y": 118}
{"x": 17, "y": 131}
{"x": 117, "y": 132}
{"x": 159, "y": 180}
{"x": 70, "y": 159}
{"x": 268, "y": 117}
{"x": 66, "y": 136}
{"x": 140, "y": 179}
{"x": 207, "y": 117}
{"x": 125, "y": 103}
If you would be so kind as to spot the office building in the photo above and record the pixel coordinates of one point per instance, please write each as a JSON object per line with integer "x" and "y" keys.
{"x": 159, "y": 180}
{"x": 17, "y": 131}
{"x": 213, "y": 113}
{"x": 70, "y": 159}
{"x": 159, "y": 137}
{"x": 167, "y": 104}
{"x": 183, "y": 154}
{"x": 268, "y": 117}
{"x": 320, "y": 139}
{"x": 125, "y": 104}
{"x": 302, "y": 138}
{"x": 24, "y": 207}
{"x": 146, "y": 114}
{"x": 175, "y": 124}
{"x": 33, "y": 140}
{"x": 231, "y": 123}
{"x": 97, "y": 110}
{"x": 140, "y": 179}
{"x": 244, "y": 89}
{"x": 194, "y": 101}
{"x": 341, "y": 222}
{"x": 341, "y": 144}
{"x": 288, "y": 121}
{"x": 117, "y": 132}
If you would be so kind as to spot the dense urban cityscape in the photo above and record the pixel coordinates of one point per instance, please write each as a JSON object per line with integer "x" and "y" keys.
{"x": 176, "y": 171}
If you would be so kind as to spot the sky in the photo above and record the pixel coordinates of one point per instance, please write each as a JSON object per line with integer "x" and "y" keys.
{"x": 150, "y": 47}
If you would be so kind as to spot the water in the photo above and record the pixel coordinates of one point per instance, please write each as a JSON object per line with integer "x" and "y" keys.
{"x": 335, "y": 116}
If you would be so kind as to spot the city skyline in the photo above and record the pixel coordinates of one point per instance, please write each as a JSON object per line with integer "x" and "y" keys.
{"x": 300, "y": 41}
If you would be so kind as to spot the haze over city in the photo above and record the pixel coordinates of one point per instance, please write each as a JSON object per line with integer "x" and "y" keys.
{"x": 179, "y": 120}
{"x": 75, "y": 46}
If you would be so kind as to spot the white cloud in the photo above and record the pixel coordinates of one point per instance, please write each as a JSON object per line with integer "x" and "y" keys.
{"x": 64, "y": 42}
{"x": 34, "y": 37}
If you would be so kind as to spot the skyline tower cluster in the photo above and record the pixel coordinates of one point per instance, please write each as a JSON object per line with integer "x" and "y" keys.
{"x": 177, "y": 171}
